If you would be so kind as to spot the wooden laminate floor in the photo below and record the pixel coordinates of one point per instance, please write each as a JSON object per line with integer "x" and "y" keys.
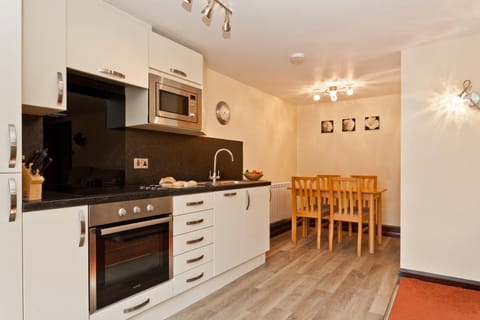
{"x": 301, "y": 282}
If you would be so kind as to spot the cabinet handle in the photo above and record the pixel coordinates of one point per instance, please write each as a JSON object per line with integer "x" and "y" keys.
{"x": 138, "y": 306}
{"x": 61, "y": 88}
{"x": 179, "y": 72}
{"x": 194, "y": 203}
{"x": 195, "y": 259}
{"x": 81, "y": 216}
{"x": 112, "y": 73}
{"x": 248, "y": 201}
{"x": 12, "y": 135}
{"x": 230, "y": 194}
{"x": 195, "y": 278}
{"x": 195, "y": 240}
{"x": 189, "y": 223}
{"x": 12, "y": 186}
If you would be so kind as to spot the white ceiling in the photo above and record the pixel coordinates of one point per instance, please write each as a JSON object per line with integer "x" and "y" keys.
{"x": 356, "y": 40}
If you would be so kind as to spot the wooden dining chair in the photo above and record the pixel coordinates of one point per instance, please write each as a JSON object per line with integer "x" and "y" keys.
{"x": 346, "y": 206}
{"x": 366, "y": 183}
{"x": 308, "y": 203}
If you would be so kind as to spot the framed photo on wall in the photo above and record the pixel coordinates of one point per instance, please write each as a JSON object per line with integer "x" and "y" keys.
{"x": 327, "y": 126}
{"x": 348, "y": 125}
{"x": 372, "y": 123}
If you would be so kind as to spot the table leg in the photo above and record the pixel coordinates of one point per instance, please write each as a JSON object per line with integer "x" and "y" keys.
{"x": 379, "y": 219}
{"x": 371, "y": 225}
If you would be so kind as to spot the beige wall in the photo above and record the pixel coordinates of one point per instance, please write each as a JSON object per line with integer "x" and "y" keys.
{"x": 265, "y": 124}
{"x": 440, "y": 212}
{"x": 361, "y": 152}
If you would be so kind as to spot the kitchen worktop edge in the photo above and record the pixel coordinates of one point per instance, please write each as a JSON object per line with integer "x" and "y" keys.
{"x": 69, "y": 200}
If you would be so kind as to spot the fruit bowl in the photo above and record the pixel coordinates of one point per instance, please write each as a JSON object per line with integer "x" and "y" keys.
{"x": 253, "y": 175}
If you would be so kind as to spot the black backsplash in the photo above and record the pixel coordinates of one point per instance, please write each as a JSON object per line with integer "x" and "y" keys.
{"x": 181, "y": 156}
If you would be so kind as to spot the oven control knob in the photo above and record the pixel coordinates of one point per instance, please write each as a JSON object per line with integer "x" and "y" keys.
{"x": 137, "y": 209}
{"x": 122, "y": 212}
{"x": 150, "y": 208}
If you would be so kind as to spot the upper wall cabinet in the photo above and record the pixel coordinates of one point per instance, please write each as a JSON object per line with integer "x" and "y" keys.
{"x": 107, "y": 42}
{"x": 176, "y": 60}
{"x": 44, "y": 56}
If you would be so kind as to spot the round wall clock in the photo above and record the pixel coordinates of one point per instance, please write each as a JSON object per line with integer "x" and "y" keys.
{"x": 223, "y": 112}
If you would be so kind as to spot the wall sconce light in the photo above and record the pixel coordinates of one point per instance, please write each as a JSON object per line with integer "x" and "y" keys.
{"x": 471, "y": 98}
{"x": 332, "y": 91}
{"x": 208, "y": 12}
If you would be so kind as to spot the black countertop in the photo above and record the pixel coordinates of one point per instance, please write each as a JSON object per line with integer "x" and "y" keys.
{"x": 54, "y": 200}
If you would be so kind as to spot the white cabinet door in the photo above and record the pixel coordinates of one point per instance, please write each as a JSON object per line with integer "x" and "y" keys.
{"x": 55, "y": 264}
{"x": 44, "y": 56}
{"x": 107, "y": 42}
{"x": 10, "y": 86}
{"x": 257, "y": 221}
{"x": 10, "y": 242}
{"x": 229, "y": 229}
{"x": 175, "y": 60}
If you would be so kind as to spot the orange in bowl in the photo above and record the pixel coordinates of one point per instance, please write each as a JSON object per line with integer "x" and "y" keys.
{"x": 253, "y": 175}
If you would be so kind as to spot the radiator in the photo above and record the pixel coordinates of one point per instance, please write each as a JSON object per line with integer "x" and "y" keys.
{"x": 281, "y": 202}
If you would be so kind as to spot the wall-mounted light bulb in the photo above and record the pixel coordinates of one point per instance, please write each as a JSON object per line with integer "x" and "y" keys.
{"x": 316, "y": 97}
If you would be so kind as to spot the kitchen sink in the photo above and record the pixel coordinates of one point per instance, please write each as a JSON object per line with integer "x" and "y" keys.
{"x": 221, "y": 183}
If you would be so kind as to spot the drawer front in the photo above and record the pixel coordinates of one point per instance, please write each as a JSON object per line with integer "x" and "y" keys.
{"x": 192, "y": 240}
{"x": 192, "y": 203}
{"x": 192, "y": 259}
{"x": 192, "y": 221}
{"x": 192, "y": 278}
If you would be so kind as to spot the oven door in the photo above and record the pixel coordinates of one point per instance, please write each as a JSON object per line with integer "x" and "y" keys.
{"x": 128, "y": 258}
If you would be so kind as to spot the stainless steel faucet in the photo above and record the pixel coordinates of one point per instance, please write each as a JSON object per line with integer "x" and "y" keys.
{"x": 216, "y": 175}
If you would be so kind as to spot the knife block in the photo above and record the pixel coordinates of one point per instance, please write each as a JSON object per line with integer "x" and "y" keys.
{"x": 31, "y": 184}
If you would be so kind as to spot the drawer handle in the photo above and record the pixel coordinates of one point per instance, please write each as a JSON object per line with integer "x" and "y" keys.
{"x": 194, "y": 203}
{"x": 179, "y": 72}
{"x": 189, "y": 223}
{"x": 195, "y": 259}
{"x": 112, "y": 73}
{"x": 195, "y": 278}
{"x": 195, "y": 240}
{"x": 138, "y": 306}
{"x": 230, "y": 194}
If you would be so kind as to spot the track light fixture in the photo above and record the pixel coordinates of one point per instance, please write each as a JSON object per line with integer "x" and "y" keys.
{"x": 208, "y": 12}
{"x": 332, "y": 91}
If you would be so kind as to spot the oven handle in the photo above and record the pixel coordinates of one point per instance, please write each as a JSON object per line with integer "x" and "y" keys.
{"x": 135, "y": 225}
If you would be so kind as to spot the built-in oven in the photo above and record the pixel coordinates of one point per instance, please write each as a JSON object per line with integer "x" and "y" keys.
{"x": 174, "y": 104}
{"x": 130, "y": 248}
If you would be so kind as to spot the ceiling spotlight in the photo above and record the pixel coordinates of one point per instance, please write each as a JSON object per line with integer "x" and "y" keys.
{"x": 226, "y": 24}
{"x": 187, "y": 2}
{"x": 208, "y": 10}
{"x": 316, "y": 97}
{"x": 350, "y": 91}
{"x": 333, "y": 90}
{"x": 333, "y": 97}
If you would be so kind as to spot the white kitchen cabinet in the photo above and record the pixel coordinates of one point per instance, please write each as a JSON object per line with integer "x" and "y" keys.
{"x": 229, "y": 229}
{"x": 175, "y": 60}
{"x": 107, "y": 42}
{"x": 55, "y": 264}
{"x": 10, "y": 244}
{"x": 10, "y": 161}
{"x": 44, "y": 56}
{"x": 257, "y": 221}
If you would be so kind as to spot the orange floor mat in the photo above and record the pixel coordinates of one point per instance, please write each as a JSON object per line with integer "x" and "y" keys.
{"x": 418, "y": 299}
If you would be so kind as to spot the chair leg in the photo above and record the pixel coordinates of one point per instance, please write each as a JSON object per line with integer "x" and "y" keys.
{"x": 359, "y": 240}
{"x": 330, "y": 235}
{"x": 294, "y": 230}
{"x": 318, "y": 223}
{"x": 349, "y": 229}
{"x": 339, "y": 232}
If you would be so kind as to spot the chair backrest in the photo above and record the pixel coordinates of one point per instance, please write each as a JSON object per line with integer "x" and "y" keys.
{"x": 367, "y": 182}
{"x": 325, "y": 183}
{"x": 346, "y": 196}
{"x": 305, "y": 194}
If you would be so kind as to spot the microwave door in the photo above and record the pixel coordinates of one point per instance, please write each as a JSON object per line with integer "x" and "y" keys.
{"x": 175, "y": 104}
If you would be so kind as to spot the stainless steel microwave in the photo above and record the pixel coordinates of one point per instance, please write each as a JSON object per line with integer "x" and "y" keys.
{"x": 174, "y": 104}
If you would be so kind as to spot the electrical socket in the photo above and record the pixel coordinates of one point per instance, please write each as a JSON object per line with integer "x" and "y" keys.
{"x": 140, "y": 163}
